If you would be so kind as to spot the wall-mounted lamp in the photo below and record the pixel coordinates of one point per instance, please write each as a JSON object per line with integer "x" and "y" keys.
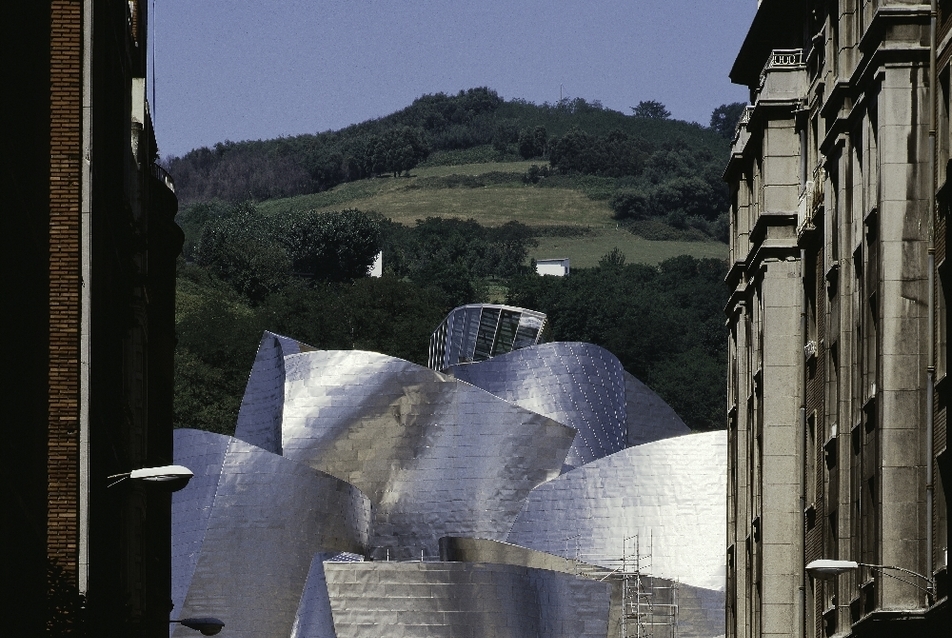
{"x": 207, "y": 626}
{"x": 171, "y": 477}
{"x": 829, "y": 568}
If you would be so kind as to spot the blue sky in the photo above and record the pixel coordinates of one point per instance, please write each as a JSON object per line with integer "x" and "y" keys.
{"x": 259, "y": 69}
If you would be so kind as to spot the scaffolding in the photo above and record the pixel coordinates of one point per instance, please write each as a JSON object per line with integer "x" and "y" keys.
{"x": 649, "y": 604}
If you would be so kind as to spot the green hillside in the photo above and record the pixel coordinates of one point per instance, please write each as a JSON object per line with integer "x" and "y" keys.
{"x": 494, "y": 193}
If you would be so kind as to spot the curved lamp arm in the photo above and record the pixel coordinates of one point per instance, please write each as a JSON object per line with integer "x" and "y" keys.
{"x": 825, "y": 568}
{"x": 206, "y": 625}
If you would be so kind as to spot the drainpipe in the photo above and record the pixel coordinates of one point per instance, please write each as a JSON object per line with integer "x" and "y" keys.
{"x": 86, "y": 179}
{"x": 802, "y": 445}
{"x": 930, "y": 380}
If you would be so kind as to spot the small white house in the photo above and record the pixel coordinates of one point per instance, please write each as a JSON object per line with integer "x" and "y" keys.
{"x": 558, "y": 267}
{"x": 376, "y": 270}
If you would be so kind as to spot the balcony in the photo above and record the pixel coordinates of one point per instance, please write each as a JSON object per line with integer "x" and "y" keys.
{"x": 783, "y": 78}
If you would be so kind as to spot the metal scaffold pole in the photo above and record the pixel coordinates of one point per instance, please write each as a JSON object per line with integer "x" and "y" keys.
{"x": 650, "y": 609}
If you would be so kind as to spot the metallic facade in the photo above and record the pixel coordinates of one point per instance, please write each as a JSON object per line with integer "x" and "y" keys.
{"x": 436, "y": 456}
{"x": 670, "y": 493}
{"x": 246, "y": 529}
{"x": 448, "y": 496}
{"x": 464, "y": 600}
{"x": 262, "y": 407}
{"x": 583, "y": 386}
{"x": 314, "y": 618}
{"x": 481, "y": 331}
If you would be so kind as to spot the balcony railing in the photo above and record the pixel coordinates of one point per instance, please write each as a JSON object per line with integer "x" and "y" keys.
{"x": 163, "y": 176}
{"x": 785, "y": 57}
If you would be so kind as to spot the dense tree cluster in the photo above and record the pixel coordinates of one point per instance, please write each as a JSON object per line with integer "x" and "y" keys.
{"x": 651, "y": 108}
{"x": 724, "y": 119}
{"x": 456, "y": 255}
{"x": 533, "y": 142}
{"x": 672, "y": 182}
{"x": 614, "y": 155}
{"x": 258, "y": 254}
{"x": 235, "y": 171}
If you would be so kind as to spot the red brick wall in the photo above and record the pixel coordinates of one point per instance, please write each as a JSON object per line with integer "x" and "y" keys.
{"x": 66, "y": 51}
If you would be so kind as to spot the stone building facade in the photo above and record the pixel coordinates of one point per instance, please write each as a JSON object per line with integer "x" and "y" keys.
{"x": 839, "y": 281}
{"x": 88, "y": 246}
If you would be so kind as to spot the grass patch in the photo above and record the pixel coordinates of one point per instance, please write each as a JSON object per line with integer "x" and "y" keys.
{"x": 367, "y": 194}
{"x": 570, "y": 213}
{"x": 600, "y": 188}
{"x": 491, "y": 193}
{"x": 475, "y": 168}
{"x": 585, "y": 251}
{"x": 492, "y": 178}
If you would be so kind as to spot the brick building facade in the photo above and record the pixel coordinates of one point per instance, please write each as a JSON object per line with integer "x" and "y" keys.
{"x": 88, "y": 252}
{"x": 838, "y": 326}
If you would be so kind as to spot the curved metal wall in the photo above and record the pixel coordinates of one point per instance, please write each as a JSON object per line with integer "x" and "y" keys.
{"x": 314, "y": 618}
{"x": 255, "y": 532}
{"x": 259, "y": 418}
{"x": 245, "y": 538}
{"x": 669, "y": 493}
{"x": 436, "y": 456}
{"x": 583, "y": 386}
{"x": 649, "y": 417}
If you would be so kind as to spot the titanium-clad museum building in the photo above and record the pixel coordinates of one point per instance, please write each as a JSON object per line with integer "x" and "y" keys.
{"x": 540, "y": 492}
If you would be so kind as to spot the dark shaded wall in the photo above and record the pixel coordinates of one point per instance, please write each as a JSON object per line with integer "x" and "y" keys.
{"x": 24, "y": 282}
{"x": 133, "y": 244}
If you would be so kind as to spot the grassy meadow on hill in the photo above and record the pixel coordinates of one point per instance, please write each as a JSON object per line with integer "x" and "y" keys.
{"x": 494, "y": 193}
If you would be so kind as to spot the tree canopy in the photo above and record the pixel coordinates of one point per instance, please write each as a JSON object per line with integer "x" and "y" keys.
{"x": 257, "y": 254}
{"x": 724, "y": 119}
{"x": 513, "y": 129}
{"x": 651, "y": 109}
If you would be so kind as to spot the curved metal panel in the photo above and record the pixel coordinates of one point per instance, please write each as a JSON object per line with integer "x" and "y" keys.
{"x": 464, "y": 600}
{"x": 314, "y": 618}
{"x": 203, "y": 453}
{"x": 649, "y": 417}
{"x": 669, "y": 493}
{"x": 436, "y": 456}
{"x": 259, "y": 417}
{"x": 583, "y": 386}
{"x": 267, "y": 518}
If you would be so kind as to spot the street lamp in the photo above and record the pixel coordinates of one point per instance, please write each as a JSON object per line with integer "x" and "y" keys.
{"x": 829, "y": 568}
{"x": 208, "y": 626}
{"x": 172, "y": 477}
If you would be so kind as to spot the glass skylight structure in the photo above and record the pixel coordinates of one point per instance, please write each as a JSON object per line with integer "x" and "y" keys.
{"x": 481, "y": 331}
